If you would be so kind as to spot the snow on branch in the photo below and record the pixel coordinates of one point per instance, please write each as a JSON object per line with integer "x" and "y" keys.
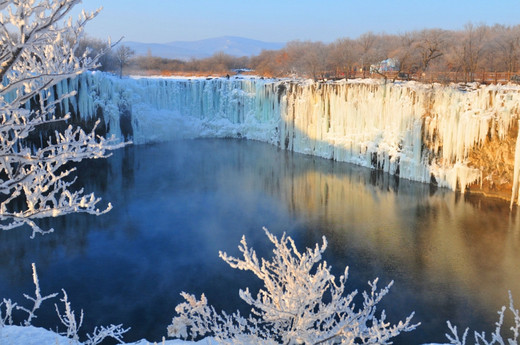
{"x": 69, "y": 319}
{"x": 37, "y": 300}
{"x": 7, "y": 319}
{"x": 496, "y": 337}
{"x": 36, "y": 52}
{"x": 301, "y": 303}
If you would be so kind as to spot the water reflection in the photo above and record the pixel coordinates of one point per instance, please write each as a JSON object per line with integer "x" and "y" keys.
{"x": 451, "y": 258}
{"x": 177, "y": 204}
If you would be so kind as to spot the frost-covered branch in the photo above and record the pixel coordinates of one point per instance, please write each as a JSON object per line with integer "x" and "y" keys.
{"x": 496, "y": 337}
{"x": 301, "y": 303}
{"x": 68, "y": 318}
{"x": 37, "y": 44}
{"x": 7, "y": 319}
{"x": 100, "y": 333}
{"x": 37, "y": 300}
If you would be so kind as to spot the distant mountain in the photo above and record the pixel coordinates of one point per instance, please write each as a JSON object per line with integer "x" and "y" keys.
{"x": 185, "y": 50}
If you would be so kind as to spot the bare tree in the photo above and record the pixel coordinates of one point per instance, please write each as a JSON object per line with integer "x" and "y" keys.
{"x": 295, "y": 50}
{"x": 373, "y": 49}
{"x": 467, "y": 55}
{"x": 315, "y": 59}
{"x": 343, "y": 56}
{"x": 35, "y": 182}
{"x": 366, "y": 43}
{"x": 506, "y": 48}
{"x": 123, "y": 54}
{"x": 430, "y": 45}
{"x": 97, "y": 48}
{"x": 405, "y": 53}
{"x": 270, "y": 63}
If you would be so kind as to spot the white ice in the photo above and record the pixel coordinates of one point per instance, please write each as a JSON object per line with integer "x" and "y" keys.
{"x": 418, "y": 131}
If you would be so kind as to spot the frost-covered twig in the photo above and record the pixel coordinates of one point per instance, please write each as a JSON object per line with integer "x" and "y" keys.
{"x": 100, "y": 333}
{"x": 7, "y": 319}
{"x": 454, "y": 337}
{"x": 68, "y": 318}
{"x": 37, "y": 300}
{"x": 496, "y": 336}
{"x": 301, "y": 303}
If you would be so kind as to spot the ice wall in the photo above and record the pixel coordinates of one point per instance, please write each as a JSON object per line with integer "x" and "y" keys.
{"x": 161, "y": 109}
{"x": 418, "y": 131}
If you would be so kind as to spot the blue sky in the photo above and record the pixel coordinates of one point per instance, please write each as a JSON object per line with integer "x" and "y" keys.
{"x": 159, "y": 21}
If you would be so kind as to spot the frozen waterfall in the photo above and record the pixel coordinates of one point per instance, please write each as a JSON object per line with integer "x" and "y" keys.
{"x": 422, "y": 132}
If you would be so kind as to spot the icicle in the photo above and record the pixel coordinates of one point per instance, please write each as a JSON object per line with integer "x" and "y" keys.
{"x": 516, "y": 190}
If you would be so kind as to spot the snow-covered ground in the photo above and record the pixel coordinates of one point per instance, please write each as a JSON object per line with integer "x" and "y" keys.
{"x": 18, "y": 335}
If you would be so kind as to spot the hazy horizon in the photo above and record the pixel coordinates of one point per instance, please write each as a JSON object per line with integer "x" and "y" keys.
{"x": 159, "y": 21}
{"x": 203, "y": 39}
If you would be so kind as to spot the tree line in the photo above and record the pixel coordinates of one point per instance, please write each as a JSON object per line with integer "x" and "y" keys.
{"x": 444, "y": 55}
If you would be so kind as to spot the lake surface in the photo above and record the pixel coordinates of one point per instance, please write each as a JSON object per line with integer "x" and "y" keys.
{"x": 177, "y": 204}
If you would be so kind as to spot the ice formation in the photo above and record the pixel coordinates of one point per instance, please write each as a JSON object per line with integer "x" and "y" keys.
{"x": 421, "y": 132}
{"x": 161, "y": 109}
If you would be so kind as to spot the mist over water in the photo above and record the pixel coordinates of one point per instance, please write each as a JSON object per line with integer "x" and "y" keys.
{"x": 177, "y": 204}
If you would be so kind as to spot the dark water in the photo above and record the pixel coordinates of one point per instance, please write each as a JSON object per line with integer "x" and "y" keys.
{"x": 177, "y": 204}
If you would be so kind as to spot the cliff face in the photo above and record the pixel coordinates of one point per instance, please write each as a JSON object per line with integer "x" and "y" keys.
{"x": 495, "y": 158}
{"x": 459, "y": 137}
